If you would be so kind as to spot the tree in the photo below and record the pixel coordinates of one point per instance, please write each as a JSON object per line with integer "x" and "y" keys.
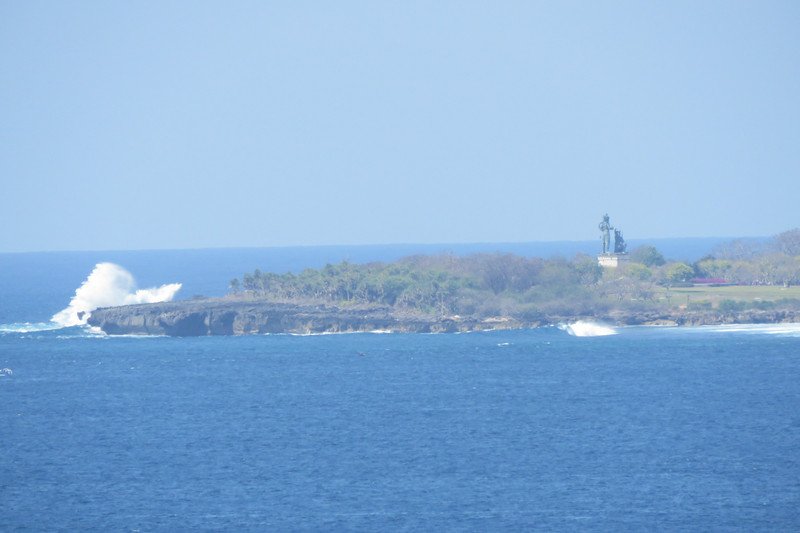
{"x": 589, "y": 272}
{"x": 780, "y": 269}
{"x": 742, "y": 272}
{"x": 789, "y": 271}
{"x": 639, "y": 271}
{"x": 234, "y": 285}
{"x": 679, "y": 272}
{"x": 738, "y": 249}
{"x": 713, "y": 268}
{"x": 648, "y": 256}
{"x": 788, "y": 242}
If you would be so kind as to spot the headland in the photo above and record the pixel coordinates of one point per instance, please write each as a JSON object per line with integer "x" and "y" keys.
{"x": 740, "y": 282}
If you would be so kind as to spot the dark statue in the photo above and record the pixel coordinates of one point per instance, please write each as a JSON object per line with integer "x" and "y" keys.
{"x": 605, "y": 228}
{"x": 619, "y": 243}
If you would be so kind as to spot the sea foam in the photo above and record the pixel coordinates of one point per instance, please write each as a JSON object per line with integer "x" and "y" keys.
{"x": 28, "y": 327}
{"x": 109, "y": 285}
{"x": 779, "y": 329}
{"x": 583, "y": 328}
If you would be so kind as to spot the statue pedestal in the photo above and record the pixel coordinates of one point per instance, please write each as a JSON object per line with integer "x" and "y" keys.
{"x": 612, "y": 260}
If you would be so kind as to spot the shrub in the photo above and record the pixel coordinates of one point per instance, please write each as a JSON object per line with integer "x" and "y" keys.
{"x": 788, "y": 303}
{"x": 703, "y": 305}
{"x": 731, "y": 306}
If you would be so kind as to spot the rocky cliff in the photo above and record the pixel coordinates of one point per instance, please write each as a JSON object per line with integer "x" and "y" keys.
{"x": 220, "y": 316}
{"x": 224, "y": 316}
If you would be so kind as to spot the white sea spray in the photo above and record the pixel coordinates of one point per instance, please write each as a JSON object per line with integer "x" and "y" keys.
{"x": 109, "y": 285}
{"x": 584, "y": 328}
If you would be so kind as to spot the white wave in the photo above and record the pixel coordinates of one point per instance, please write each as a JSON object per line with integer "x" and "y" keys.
{"x": 584, "y": 328}
{"x": 322, "y": 333}
{"x": 28, "y": 327}
{"x": 787, "y": 329}
{"x": 109, "y": 285}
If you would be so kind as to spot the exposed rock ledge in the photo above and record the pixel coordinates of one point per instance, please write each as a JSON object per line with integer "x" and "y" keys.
{"x": 222, "y": 316}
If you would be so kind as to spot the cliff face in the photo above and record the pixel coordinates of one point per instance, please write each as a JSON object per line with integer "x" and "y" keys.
{"x": 193, "y": 318}
{"x": 702, "y": 318}
{"x": 222, "y": 316}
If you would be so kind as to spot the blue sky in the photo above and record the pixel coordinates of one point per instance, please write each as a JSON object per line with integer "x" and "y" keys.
{"x": 205, "y": 124}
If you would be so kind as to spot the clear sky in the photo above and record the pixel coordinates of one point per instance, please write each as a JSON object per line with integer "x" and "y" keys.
{"x": 139, "y": 125}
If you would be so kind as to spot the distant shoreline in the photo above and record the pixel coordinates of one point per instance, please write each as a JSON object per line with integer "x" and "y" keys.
{"x": 223, "y": 316}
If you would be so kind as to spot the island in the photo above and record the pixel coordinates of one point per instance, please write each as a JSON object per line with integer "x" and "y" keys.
{"x": 744, "y": 281}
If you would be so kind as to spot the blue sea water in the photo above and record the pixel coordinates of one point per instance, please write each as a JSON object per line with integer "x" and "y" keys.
{"x": 649, "y": 429}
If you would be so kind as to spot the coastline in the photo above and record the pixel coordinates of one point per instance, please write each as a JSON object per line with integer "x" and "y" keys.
{"x": 224, "y": 316}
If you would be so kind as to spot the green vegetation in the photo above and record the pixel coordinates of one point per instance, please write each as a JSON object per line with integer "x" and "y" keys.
{"x": 679, "y": 273}
{"x": 648, "y": 256}
{"x": 483, "y": 285}
{"x": 739, "y": 276}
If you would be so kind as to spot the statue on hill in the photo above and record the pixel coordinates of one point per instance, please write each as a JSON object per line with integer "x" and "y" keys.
{"x": 619, "y": 242}
{"x": 605, "y": 228}
{"x": 619, "y": 255}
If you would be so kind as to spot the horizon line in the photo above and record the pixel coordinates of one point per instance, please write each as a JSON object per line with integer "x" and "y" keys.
{"x": 638, "y": 240}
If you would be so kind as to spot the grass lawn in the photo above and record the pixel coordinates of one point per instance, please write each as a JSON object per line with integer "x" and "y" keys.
{"x": 683, "y": 295}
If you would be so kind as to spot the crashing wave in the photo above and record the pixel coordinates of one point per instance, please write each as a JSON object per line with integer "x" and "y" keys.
{"x": 584, "y": 328}
{"x": 109, "y": 285}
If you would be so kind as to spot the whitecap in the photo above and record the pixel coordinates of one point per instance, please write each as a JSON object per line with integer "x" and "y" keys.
{"x": 585, "y": 328}
{"x": 783, "y": 329}
{"x": 28, "y": 327}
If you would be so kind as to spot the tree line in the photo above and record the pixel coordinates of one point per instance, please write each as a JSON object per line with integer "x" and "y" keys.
{"x": 510, "y": 285}
{"x": 775, "y": 261}
{"x": 484, "y": 284}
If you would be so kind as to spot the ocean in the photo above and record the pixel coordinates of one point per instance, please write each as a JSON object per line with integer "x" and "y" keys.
{"x": 582, "y": 427}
